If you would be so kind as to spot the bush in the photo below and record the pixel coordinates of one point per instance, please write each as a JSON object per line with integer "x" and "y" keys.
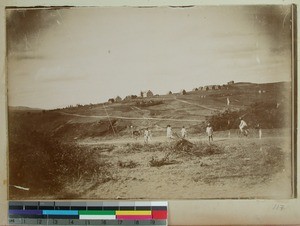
{"x": 183, "y": 145}
{"x": 131, "y": 164}
{"x": 266, "y": 114}
{"x": 199, "y": 149}
{"x": 204, "y": 149}
{"x": 156, "y": 162}
{"x": 45, "y": 165}
{"x": 148, "y": 103}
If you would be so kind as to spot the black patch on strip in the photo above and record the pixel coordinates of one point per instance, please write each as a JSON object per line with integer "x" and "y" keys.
{"x": 62, "y": 208}
{"x": 126, "y": 207}
{"x": 46, "y": 208}
{"x": 143, "y": 207}
{"x": 95, "y": 207}
{"x": 110, "y": 208}
{"x": 31, "y": 207}
{"x": 15, "y": 207}
{"x": 78, "y": 207}
{"x": 159, "y": 208}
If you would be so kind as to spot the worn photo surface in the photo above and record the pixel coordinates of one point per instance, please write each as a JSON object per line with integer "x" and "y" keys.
{"x": 150, "y": 103}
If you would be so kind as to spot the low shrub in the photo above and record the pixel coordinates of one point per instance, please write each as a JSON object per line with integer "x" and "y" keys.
{"x": 130, "y": 164}
{"x": 205, "y": 149}
{"x": 148, "y": 103}
{"x": 199, "y": 149}
{"x": 156, "y": 162}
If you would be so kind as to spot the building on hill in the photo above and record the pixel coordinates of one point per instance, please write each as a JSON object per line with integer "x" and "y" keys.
{"x": 111, "y": 100}
{"x": 230, "y": 83}
{"x": 183, "y": 92}
{"x": 205, "y": 88}
{"x": 224, "y": 87}
{"x": 218, "y": 87}
{"x": 118, "y": 99}
{"x": 212, "y": 87}
{"x": 130, "y": 97}
{"x": 147, "y": 93}
{"x": 127, "y": 98}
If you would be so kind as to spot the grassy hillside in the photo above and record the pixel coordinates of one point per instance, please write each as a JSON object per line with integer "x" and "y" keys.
{"x": 192, "y": 110}
{"x": 48, "y": 139}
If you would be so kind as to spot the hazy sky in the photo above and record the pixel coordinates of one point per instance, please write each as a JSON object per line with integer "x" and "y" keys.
{"x": 87, "y": 55}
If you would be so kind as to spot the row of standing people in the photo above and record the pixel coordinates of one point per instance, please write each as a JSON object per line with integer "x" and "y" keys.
{"x": 243, "y": 127}
{"x": 183, "y": 133}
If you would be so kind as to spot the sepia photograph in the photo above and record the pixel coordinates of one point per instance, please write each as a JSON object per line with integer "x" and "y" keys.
{"x": 173, "y": 103}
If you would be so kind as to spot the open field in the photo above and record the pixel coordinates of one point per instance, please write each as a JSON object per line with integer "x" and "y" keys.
{"x": 89, "y": 152}
{"x": 228, "y": 168}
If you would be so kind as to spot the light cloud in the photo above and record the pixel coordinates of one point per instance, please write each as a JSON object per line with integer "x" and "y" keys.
{"x": 87, "y": 55}
{"x": 57, "y": 74}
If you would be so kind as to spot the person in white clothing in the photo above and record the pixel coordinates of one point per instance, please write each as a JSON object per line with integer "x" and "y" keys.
{"x": 259, "y": 131}
{"x": 147, "y": 136}
{"x": 169, "y": 132}
{"x": 209, "y": 131}
{"x": 183, "y": 133}
{"x": 243, "y": 127}
{"x": 228, "y": 101}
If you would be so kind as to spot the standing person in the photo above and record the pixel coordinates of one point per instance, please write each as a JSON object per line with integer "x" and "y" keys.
{"x": 228, "y": 101}
{"x": 243, "y": 127}
{"x": 146, "y": 136}
{"x": 131, "y": 128}
{"x": 259, "y": 131}
{"x": 169, "y": 133}
{"x": 209, "y": 131}
{"x": 150, "y": 135}
{"x": 183, "y": 133}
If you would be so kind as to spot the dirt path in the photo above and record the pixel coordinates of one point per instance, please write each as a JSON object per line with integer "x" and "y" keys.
{"x": 162, "y": 139}
{"x": 131, "y": 118}
{"x": 202, "y": 106}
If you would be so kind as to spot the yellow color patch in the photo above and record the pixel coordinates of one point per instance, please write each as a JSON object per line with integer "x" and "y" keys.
{"x": 134, "y": 212}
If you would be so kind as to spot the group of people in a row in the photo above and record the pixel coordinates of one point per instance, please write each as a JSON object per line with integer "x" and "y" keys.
{"x": 209, "y": 131}
{"x": 183, "y": 132}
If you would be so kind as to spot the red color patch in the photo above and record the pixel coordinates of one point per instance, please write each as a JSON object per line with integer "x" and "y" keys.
{"x": 159, "y": 214}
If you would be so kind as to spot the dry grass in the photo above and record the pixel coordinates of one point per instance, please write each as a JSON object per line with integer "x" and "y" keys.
{"x": 158, "y": 162}
{"x": 127, "y": 164}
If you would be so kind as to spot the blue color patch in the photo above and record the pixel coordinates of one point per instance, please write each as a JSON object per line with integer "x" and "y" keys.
{"x": 60, "y": 212}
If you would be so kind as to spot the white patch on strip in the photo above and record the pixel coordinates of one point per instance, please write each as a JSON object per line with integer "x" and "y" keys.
{"x": 97, "y": 217}
{"x": 159, "y": 203}
{"x": 142, "y": 203}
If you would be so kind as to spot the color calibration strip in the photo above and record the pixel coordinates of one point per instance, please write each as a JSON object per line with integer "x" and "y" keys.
{"x": 88, "y": 213}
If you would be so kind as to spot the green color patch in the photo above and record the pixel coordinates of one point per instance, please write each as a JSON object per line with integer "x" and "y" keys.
{"x": 97, "y": 212}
